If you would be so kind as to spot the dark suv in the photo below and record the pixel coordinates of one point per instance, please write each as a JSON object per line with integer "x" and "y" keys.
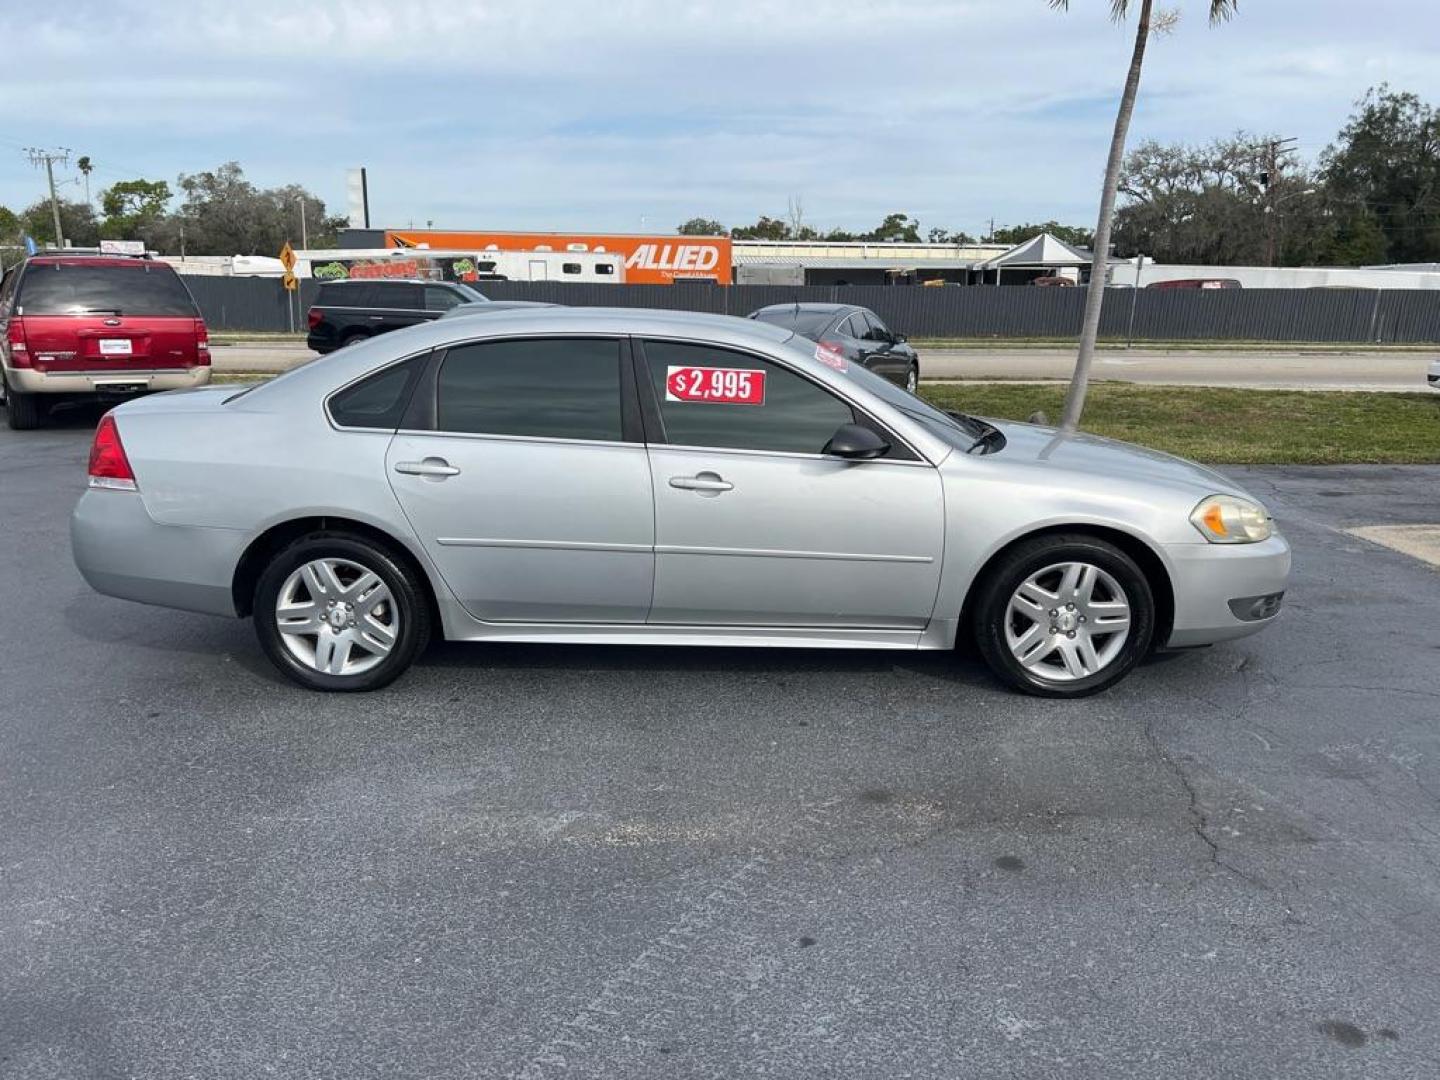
{"x": 350, "y": 311}
{"x": 85, "y": 327}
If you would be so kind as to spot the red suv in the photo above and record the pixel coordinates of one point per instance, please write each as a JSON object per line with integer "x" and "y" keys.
{"x": 78, "y": 327}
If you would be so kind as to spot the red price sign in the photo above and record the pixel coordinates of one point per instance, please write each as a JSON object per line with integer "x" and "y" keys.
{"x": 715, "y": 385}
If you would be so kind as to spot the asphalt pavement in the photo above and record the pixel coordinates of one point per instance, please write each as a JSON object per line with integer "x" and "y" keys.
{"x": 557, "y": 861}
{"x": 1260, "y": 368}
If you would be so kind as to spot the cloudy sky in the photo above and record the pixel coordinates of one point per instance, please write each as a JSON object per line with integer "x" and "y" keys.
{"x": 623, "y": 114}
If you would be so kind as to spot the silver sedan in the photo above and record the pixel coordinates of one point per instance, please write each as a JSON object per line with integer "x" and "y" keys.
{"x": 647, "y": 477}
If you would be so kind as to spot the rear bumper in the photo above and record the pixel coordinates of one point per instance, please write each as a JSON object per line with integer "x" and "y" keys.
{"x": 1207, "y": 577}
{"x": 112, "y": 381}
{"x": 121, "y": 551}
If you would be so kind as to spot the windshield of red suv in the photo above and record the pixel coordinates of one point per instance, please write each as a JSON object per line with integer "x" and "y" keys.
{"x": 76, "y": 289}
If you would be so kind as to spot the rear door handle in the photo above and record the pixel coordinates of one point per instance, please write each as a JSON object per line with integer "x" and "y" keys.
{"x": 703, "y": 482}
{"x": 433, "y": 468}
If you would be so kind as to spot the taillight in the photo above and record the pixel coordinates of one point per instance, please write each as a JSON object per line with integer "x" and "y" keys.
{"x": 109, "y": 467}
{"x": 202, "y": 342}
{"x": 313, "y": 317}
{"x": 15, "y": 338}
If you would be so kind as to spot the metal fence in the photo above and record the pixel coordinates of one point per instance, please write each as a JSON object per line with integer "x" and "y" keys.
{"x": 1292, "y": 315}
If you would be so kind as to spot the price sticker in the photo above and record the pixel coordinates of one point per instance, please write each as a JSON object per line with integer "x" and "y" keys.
{"x": 715, "y": 386}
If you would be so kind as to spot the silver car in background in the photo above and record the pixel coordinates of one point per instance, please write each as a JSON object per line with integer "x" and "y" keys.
{"x": 647, "y": 477}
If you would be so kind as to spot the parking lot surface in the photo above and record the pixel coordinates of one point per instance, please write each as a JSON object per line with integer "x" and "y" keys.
{"x": 641, "y": 862}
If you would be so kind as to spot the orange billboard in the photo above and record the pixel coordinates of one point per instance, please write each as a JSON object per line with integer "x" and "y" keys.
{"x": 649, "y": 260}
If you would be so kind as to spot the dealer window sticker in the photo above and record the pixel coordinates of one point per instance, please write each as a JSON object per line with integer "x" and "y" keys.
{"x": 715, "y": 385}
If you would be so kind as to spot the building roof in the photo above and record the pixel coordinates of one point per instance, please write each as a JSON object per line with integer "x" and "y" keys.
{"x": 874, "y": 261}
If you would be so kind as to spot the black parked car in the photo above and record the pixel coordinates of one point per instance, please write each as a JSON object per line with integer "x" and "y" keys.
{"x": 854, "y": 334}
{"x": 350, "y": 311}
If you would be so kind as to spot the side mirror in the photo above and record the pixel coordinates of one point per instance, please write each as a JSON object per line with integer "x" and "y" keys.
{"x": 899, "y": 339}
{"x": 855, "y": 443}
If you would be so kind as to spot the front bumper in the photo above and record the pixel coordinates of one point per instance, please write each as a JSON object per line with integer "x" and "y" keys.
{"x": 113, "y": 381}
{"x": 122, "y": 551}
{"x": 1207, "y": 577}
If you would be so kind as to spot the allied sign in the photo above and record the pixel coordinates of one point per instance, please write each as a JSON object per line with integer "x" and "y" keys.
{"x": 122, "y": 247}
{"x": 649, "y": 260}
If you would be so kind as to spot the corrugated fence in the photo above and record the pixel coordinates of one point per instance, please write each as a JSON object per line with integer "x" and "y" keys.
{"x": 1319, "y": 315}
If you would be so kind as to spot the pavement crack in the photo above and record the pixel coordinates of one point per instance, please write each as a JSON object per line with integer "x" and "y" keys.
{"x": 1199, "y": 819}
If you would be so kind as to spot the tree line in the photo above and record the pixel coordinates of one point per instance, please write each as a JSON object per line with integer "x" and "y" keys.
{"x": 895, "y": 228}
{"x": 219, "y": 212}
{"x": 1372, "y": 196}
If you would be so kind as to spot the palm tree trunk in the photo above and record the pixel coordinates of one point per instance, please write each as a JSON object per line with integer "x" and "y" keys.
{"x": 1090, "y": 328}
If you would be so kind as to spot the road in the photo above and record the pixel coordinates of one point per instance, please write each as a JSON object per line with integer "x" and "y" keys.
{"x": 637, "y": 862}
{"x": 1258, "y": 369}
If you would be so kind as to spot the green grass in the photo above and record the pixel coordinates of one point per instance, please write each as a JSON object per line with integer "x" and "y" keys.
{"x": 1230, "y": 427}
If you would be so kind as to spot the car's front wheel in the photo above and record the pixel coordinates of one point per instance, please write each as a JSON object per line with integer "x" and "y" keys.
{"x": 912, "y": 378}
{"x": 1064, "y": 616}
{"x": 337, "y": 612}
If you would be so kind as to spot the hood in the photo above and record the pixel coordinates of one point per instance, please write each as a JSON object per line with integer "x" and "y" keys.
{"x": 1094, "y": 457}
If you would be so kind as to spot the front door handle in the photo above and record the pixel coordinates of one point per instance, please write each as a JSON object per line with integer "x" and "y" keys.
{"x": 705, "y": 481}
{"x": 432, "y": 468}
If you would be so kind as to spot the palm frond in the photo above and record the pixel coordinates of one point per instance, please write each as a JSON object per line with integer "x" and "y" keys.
{"x": 1221, "y": 10}
{"x": 1060, "y": 5}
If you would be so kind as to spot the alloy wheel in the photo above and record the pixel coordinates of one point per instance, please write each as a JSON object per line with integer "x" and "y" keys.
{"x": 337, "y": 617}
{"x": 1068, "y": 621}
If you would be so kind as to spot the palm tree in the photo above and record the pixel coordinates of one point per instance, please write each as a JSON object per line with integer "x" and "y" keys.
{"x": 86, "y": 167}
{"x": 1220, "y": 10}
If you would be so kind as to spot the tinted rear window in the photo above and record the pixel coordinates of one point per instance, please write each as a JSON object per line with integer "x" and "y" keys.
{"x": 810, "y": 324}
{"x": 69, "y": 289}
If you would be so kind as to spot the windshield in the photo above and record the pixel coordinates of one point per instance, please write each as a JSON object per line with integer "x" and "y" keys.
{"x": 808, "y": 324}
{"x": 955, "y": 428}
{"x": 475, "y": 295}
{"x": 70, "y": 289}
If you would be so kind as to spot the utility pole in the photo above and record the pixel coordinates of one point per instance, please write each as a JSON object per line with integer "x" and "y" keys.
{"x": 304, "y": 235}
{"x": 48, "y": 159}
{"x": 1271, "y": 162}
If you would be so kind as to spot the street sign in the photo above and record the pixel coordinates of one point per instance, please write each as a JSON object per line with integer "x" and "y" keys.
{"x": 287, "y": 259}
{"x": 290, "y": 281}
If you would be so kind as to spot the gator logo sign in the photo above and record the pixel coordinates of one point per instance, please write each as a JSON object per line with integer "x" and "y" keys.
{"x": 649, "y": 260}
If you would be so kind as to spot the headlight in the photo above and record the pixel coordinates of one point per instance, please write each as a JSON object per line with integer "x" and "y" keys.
{"x": 1225, "y": 519}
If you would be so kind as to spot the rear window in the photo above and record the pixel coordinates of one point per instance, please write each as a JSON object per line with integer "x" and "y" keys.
{"x": 810, "y": 324}
{"x": 71, "y": 289}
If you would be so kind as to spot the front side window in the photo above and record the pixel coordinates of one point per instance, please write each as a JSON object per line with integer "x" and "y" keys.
{"x": 721, "y": 398}
{"x": 558, "y": 388}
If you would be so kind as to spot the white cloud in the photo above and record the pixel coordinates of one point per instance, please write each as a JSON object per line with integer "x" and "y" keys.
{"x": 568, "y": 113}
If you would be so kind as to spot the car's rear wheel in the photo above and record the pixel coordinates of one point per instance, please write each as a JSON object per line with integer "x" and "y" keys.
{"x": 353, "y": 337}
{"x": 335, "y": 611}
{"x": 23, "y": 412}
{"x": 1064, "y": 616}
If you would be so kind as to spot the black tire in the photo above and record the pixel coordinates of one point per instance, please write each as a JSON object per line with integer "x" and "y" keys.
{"x": 913, "y": 373}
{"x": 990, "y": 611}
{"x": 406, "y": 589}
{"x": 352, "y": 337}
{"x": 23, "y": 412}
